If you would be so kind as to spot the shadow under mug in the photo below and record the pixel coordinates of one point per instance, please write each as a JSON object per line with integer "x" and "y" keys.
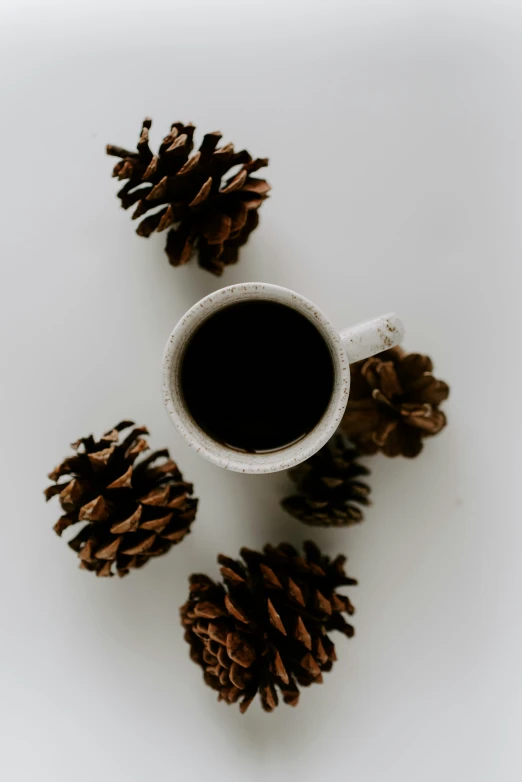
{"x": 352, "y": 344}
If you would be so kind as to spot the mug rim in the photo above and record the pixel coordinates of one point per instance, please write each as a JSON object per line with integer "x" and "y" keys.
{"x": 222, "y": 455}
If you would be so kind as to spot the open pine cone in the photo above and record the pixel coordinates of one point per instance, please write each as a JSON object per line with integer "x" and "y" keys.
{"x": 394, "y": 403}
{"x": 131, "y": 511}
{"x": 329, "y": 490}
{"x": 187, "y": 194}
{"x": 265, "y": 628}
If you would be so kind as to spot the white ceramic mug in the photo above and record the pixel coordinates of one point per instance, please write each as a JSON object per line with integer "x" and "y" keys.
{"x": 353, "y": 344}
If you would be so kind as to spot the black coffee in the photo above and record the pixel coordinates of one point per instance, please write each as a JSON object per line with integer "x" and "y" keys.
{"x": 257, "y": 376}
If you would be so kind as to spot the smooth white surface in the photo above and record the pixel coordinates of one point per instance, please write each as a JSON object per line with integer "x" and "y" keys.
{"x": 395, "y": 134}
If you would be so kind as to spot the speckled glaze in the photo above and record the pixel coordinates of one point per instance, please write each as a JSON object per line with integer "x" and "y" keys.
{"x": 360, "y": 342}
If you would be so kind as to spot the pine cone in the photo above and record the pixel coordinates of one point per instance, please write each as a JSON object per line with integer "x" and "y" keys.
{"x": 328, "y": 486}
{"x": 188, "y": 195}
{"x": 394, "y": 403}
{"x": 266, "y": 626}
{"x": 131, "y": 511}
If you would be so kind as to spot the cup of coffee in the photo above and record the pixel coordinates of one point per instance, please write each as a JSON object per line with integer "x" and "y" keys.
{"x": 256, "y": 378}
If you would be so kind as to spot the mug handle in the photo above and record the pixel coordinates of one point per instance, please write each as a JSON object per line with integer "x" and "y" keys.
{"x": 373, "y": 336}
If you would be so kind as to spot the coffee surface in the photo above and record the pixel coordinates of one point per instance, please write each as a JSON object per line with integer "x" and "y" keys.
{"x": 257, "y": 376}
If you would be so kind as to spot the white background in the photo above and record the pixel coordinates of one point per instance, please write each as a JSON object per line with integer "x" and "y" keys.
{"x": 394, "y": 133}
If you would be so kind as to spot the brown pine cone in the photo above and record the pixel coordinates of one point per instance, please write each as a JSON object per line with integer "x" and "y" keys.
{"x": 265, "y": 628}
{"x": 188, "y": 194}
{"x": 329, "y": 492}
{"x": 131, "y": 511}
{"x": 394, "y": 403}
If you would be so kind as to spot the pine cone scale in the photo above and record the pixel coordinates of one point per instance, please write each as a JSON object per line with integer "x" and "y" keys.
{"x": 394, "y": 403}
{"x": 253, "y": 634}
{"x": 192, "y": 191}
{"x": 131, "y": 511}
{"x": 329, "y": 492}
{"x": 428, "y": 390}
